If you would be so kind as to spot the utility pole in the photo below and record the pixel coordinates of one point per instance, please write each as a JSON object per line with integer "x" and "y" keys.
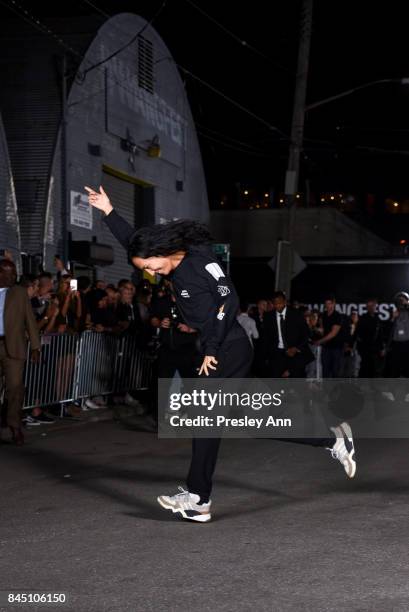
{"x": 63, "y": 153}
{"x": 284, "y": 259}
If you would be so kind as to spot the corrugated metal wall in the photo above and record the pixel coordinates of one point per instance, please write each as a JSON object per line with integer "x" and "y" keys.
{"x": 9, "y": 227}
{"x": 122, "y": 195}
{"x": 106, "y": 107}
{"x": 108, "y": 111}
{"x": 31, "y": 118}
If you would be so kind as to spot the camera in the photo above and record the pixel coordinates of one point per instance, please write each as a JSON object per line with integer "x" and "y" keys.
{"x": 174, "y": 316}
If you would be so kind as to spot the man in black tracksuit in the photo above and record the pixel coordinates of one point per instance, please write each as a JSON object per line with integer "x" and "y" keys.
{"x": 209, "y": 303}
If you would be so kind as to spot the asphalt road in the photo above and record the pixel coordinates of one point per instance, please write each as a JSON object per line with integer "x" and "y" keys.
{"x": 290, "y": 532}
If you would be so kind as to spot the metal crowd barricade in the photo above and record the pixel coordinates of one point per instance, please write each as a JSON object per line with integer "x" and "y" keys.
{"x": 51, "y": 381}
{"x": 96, "y": 364}
{"x": 134, "y": 367}
{"x": 76, "y": 366}
{"x": 314, "y": 369}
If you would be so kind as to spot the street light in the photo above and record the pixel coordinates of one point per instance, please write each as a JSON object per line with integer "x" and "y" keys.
{"x": 283, "y": 277}
{"x": 348, "y": 92}
{"x": 293, "y": 169}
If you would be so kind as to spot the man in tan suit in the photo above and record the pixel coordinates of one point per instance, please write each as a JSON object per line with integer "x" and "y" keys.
{"x": 16, "y": 323}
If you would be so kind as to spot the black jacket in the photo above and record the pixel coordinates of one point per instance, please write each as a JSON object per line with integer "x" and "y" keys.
{"x": 204, "y": 294}
{"x": 294, "y": 332}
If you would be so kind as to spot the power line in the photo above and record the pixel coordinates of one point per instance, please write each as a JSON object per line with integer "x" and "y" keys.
{"x": 381, "y": 150}
{"x": 33, "y": 21}
{"x": 348, "y": 92}
{"x": 129, "y": 43}
{"x": 230, "y": 138}
{"x": 37, "y": 24}
{"x": 233, "y": 102}
{"x": 232, "y": 146}
{"x": 238, "y": 39}
{"x": 44, "y": 29}
{"x": 190, "y": 73}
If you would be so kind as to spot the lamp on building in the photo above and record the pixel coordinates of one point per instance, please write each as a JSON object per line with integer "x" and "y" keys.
{"x": 151, "y": 147}
{"x": 154, "y": 149}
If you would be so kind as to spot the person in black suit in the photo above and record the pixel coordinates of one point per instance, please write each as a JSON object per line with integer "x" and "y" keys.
{"x": 289, "y": 353}
{"x": 287, "y": 340}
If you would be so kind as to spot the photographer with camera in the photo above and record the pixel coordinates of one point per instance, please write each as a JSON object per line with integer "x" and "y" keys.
{"x": 178, "y": 350}
{"x": 177, "y": 341}
{"x": 398, "y": 341}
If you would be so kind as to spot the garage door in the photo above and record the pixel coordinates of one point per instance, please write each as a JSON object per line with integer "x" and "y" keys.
{"x": 123, "y": 197}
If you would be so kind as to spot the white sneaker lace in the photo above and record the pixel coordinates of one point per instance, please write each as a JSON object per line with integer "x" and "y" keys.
{"x": 334, "y": 453}
{"x": 183, "y": 496}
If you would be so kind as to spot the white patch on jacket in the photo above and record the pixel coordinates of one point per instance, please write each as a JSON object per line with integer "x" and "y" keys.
{"x": 215, "y": 270}
{"x": 223, "y": 290}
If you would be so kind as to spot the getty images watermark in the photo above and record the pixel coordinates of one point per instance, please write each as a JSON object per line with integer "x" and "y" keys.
{"x": 219, "y": 401}
{"x": 282, "y": 408}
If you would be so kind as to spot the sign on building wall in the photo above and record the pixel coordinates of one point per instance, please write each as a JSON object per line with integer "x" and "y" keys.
{"x": 81, "y": 211}
{"x": 384, "y": 309}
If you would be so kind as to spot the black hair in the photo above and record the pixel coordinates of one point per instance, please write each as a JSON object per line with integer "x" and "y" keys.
{"x": 45, "y": 275}
{"x": 123, "y": 282}
{"x": 83, "y": 283}
{"x": 95, "y": 296}
{"x": 164, "y": 239}
{"x": 27, "y": 280}
{"x": 279, "y": 294}
{"x": 6, "y": 263}
{"x": 330, "y": 298}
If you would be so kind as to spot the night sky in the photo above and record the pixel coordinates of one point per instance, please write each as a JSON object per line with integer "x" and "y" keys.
{"x": 358, "y": 145}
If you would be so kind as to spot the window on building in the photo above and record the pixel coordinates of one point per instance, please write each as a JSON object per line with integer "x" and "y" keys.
{"x": 145, "y": 64}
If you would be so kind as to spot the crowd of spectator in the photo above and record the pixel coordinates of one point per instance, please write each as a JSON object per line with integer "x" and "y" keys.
{"x": 63, "y": 304}
{"x": 331, "y": 344}
{"x": 343, "y": 346}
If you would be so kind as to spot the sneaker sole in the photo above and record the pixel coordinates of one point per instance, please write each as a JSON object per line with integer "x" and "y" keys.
{"x": 350, "y": 463}
{"x": 350, "y": 466}
{"x": 199, "y": 518}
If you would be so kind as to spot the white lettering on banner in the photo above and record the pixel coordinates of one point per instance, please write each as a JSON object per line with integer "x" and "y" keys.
{"x": 347, "y": 307}
{"x": 154, "y": 109}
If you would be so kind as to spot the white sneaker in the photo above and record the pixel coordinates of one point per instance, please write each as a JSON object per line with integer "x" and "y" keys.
{"x": 30, "y": 421}
{"x": 187, "y": 504}
{"x": 92, "y": 405}
{"x": 344, "y": 449}
{"x": 388, "y": 395}
{"x": 131, "y": 401}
